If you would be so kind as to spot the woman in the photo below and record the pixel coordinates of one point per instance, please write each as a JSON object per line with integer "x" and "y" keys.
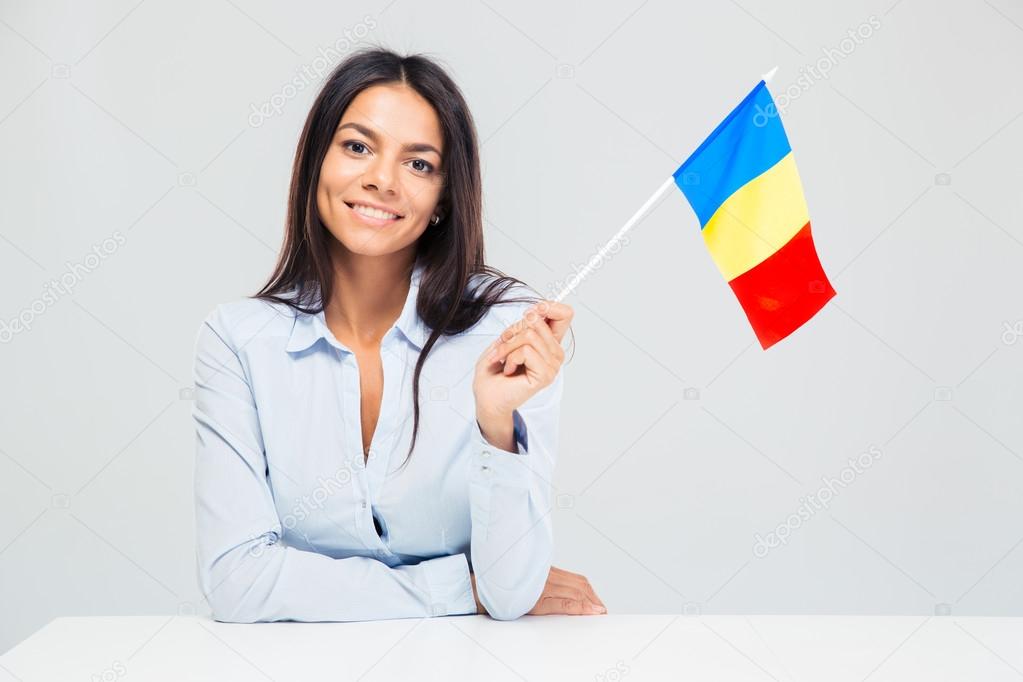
{"x": 346, "y": 468}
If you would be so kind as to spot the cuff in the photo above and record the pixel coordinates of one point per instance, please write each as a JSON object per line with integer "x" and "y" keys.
{"x": 447, "y": 579}
{"x": 490, "y": 463}
{"x": 521, "y": 433}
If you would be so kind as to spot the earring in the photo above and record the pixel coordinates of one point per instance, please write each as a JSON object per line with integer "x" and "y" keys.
{"x": 435, "y": 219}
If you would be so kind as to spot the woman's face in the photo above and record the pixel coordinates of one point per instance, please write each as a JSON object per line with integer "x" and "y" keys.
{"x": 381, "y": 178}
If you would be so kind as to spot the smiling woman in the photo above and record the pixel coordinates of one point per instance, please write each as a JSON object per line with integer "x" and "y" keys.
{"x": 309, "y": 502}
{"x": 363, "y": 147}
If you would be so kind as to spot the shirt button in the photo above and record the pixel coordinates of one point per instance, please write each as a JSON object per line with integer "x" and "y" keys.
{"x": 486, "y": 453}
{"x": 364, "y": 504}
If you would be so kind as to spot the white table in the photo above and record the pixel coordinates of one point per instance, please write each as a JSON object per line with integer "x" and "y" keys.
{"x": 612, "y": 648}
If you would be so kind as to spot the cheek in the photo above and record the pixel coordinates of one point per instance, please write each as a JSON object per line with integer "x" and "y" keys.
{"x": 336, "y": 173}
{"x": 325, "y": 190}
{"x": 425, "y": 198}
{"x": 334, "y": 178}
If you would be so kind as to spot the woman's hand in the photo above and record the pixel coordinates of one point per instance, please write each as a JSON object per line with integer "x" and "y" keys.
{"x": 564, "y": 593}
{"x": 524, "y": 359}
{"x": 567, "y": 593}
{"x": 475, "y": 595}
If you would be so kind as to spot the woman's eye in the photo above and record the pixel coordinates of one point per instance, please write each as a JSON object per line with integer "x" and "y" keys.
{"x": 421, "y": 166}
{"x": 356, "y": 147}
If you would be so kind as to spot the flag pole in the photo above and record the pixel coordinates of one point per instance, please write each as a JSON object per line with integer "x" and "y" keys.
{"x": 599, "y": 256}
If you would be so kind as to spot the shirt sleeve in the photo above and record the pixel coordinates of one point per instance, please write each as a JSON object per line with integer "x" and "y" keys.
{"x": 245, "y": 572}
{"x": 510, "y": 502}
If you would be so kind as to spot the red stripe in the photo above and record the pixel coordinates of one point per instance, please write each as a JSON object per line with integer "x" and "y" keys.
{"x": 782, "y": 292}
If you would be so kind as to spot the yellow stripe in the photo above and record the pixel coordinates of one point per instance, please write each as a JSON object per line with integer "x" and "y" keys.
{"x": 758, "y": 219}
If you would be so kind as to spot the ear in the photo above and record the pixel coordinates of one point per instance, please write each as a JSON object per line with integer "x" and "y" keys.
{"x": 441, "y": 209}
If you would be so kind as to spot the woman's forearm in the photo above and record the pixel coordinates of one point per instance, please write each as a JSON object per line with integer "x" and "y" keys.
{"x": 498, "y": 430}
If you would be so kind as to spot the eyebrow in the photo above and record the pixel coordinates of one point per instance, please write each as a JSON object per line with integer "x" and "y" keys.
{"x": 410, "y": 147}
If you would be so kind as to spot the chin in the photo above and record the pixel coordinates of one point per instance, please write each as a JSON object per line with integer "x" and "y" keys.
{"x": 364, "y": 241}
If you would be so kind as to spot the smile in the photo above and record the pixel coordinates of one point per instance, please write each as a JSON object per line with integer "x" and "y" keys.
{"x": 372, "y": 215}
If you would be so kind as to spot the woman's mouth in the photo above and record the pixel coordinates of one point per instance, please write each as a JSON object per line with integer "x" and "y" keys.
{"x": 373, "y": 216}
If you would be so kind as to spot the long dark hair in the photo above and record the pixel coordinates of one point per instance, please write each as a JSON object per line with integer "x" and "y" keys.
{"x": 452, "y": 251}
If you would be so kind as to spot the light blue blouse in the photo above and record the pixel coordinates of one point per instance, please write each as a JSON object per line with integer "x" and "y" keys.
{"x": 293, "y": 524}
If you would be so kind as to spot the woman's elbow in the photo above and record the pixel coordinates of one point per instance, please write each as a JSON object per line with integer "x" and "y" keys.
{"x": 228, "y": 603}
{"x": 230, "y": 613}
{"x": 509, "y": 604}
{"x": 506, "y": 611}
{"x": 232, "y": 590}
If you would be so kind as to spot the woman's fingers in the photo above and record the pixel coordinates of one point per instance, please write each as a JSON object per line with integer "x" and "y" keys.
{"x": 541, "y": 318}
{"x": 512, "y": 338}
{"x": 551, "y": 604}
{"x": 511, "y": 363}
{"x": 559, "y": 314}
{"x": 531, "y": 357}
{"x": 540, "y": 337}
{"x": 577, "y": 581}
{"x": 567, "y": 593}
{"x": 546, "y": 336}
{"x": 583, "y": 585}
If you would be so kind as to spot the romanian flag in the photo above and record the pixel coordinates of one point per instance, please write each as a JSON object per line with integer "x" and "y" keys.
{"x": 743, "y": 185}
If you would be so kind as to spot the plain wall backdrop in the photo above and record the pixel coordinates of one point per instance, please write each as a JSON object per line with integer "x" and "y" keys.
{"x": 145, "y": 151}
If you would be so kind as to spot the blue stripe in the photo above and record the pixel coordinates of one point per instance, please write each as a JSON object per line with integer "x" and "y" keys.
{"x": 750, "y": 140}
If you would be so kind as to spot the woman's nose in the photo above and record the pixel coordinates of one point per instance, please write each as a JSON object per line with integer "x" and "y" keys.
{"x": 380, "y": 177}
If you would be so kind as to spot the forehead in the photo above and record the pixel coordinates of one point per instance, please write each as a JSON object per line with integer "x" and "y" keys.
{"x": 398, "y": 112}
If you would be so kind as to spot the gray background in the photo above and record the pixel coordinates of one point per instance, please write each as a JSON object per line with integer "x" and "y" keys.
{"x": 131, "y": 122}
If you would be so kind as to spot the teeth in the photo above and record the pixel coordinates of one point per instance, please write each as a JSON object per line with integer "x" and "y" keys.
{"x": 373, "y": 212}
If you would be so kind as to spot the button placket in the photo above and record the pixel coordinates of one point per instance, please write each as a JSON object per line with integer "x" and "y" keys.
{"x": 353, "y": 436}
{"x": 396, "y": 364}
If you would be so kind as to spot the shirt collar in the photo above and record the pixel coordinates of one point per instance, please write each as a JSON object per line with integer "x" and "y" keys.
{"x": 310, "y": 328}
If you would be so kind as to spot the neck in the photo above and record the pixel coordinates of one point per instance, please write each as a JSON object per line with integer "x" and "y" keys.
{"x": 369, "y": 294}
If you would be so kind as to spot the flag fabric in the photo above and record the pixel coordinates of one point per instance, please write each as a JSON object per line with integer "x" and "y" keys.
{"x": 743, "y": 185}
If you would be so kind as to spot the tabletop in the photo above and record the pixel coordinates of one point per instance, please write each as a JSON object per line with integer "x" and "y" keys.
{"x": 607, "y": 648}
